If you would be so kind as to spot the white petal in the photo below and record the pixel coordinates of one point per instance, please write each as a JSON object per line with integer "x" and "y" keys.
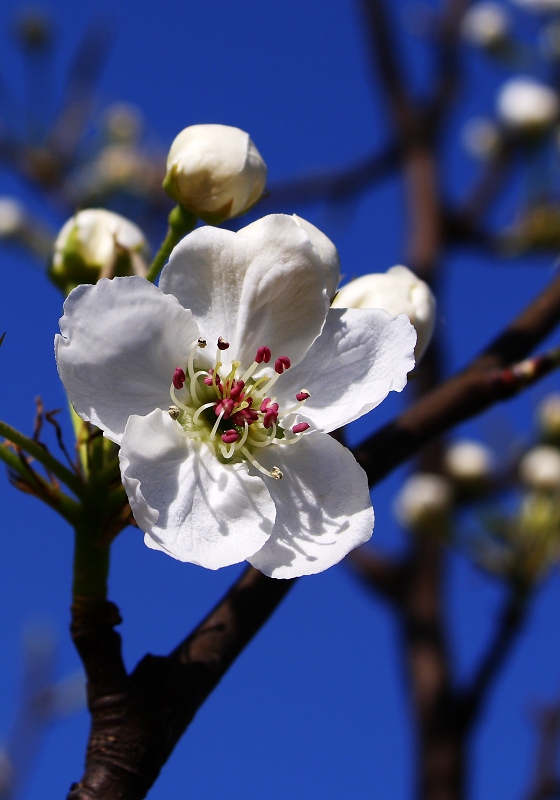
{"x": 121, "y": 342}
{"x": 323, "y": 507}
{"x": 361, "y": 355}
{"x": 264, "y": 289}
{"x": 189, "y": 504}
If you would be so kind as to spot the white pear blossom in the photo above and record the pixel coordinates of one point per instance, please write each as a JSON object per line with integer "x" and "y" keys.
{"x": 525, "y": 105}
{"x": 486, "y": 24}
{"x": 221, "y": 387}
{"x": 214, "y": 171}
{"x": 95, "y": 243}
{"x": 540, "y": 468}
{"x": 398, "y": 291}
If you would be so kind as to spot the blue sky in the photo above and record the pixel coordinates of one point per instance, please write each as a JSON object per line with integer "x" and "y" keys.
{"x": 316, "y": 706}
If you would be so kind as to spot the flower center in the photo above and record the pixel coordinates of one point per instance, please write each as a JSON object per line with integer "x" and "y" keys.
{"x": 234, "y": 413}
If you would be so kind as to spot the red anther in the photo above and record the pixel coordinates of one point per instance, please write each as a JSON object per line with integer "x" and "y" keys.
{"x": 263, "y": 354}
{"x": 230, "y": 436}
{"x": 179, "y": 378}
{"x": 302, "y": 396}
{"x": 300, "y": 427}
{"x": 236, "y": 390}
{"x": 245, "y": 415}
{"x": 270, "y": 417}
{"x": 265, "y": 403}
{"x": 222, "y": 344}
{"x": 282, "y": 363}
{"x": 226, "y": 405}
{"x": 208, "y": 381}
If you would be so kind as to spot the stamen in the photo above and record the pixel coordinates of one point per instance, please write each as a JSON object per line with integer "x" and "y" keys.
{"x": 227, "y": 452}
{"x": 282, "y": 363}
{"x": 224, "y": 407}
{"x": 198, "y": 412}
{"x": 202, "y": 343}
{"x": 177, "y": 402}
{"x": 303, "y": 395}
{"x": 243, "y": 439}
{"x": 173, "y": 412}
{"x": 222, "y": 344}
{"x": 190, "y": 367}
{"x": 179, "y": 378}
{"x": 300, "y": 427}
{"x": 263, "y": 354}
{"x": 264, "y": 442}
{"x": 230, "y": 436}
{"x": 274, "y": 472}
{"x": 215, "y": 428}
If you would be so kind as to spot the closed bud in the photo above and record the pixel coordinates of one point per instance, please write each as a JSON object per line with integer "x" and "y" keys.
{"x": 96, "y": 243}
{"x": 469, "y": 463}
{"x": 527, "y": 107}
{"x": 424, "y": 503}
{"x": 215, "y": 172}
{"x": 486, "y": 25}
{"x": 397, "y": 291}
{"x": 540, "y": 468}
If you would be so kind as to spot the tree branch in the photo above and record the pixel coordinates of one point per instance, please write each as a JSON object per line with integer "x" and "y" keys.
{"x": 138, "y": 719}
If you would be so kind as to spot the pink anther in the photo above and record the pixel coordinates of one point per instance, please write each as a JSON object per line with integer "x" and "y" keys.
{"x": 300, "y": 427}
{"x": 302, "y": 396}
{"x": 179, "y": 378}
{"x": 265, "y": 404}
{"x": 246, "y": 415}
{"x": 230, "y": 436}
{"x": 209, "y": 380}
{"x": 226, "y": 405}
{"x": 222, "y": 344}
{"x": 263, "y": 354}
{"x": 282, "y": 363}
{"x": 237, "y": 390}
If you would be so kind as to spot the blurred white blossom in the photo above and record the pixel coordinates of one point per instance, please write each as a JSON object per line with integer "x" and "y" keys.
{"x": 481, "y": 137}
{"x": 424, "y": 501}
{"x": 486, "y": 24}
{"x": 525, "y": 105}
{"x": 540, "y": 468}
{"x": 469, "y": 461}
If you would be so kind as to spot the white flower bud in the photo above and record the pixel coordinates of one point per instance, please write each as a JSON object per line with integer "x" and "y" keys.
{"x": 97, "y": 243}
{"x": 398, "y": 291}
{"x": 469, "y": 462}
{"x": 123, "y": 122}
{"x": 486, "y": 25}
{"x": 424, "y": 501}
{"x": 540, "y": 468}
{"x": 322, "y": 244}
{"x": 481, "y": 137}
{"x": 548, "y": 417}
{"x": 12, "y": 217}
{"x": 215, "y": 172}
{"x": 527, "y": 106}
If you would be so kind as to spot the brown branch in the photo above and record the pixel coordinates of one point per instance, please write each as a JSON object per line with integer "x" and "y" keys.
{"x": 138, "y": 719}
{"x": 507, "y": 630}
{"x": 467, "y": 394}
{"x": 386, "y": 576}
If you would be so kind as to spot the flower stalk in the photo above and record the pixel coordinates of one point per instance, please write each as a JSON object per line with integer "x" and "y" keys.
{"x": 181, "y": 222}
